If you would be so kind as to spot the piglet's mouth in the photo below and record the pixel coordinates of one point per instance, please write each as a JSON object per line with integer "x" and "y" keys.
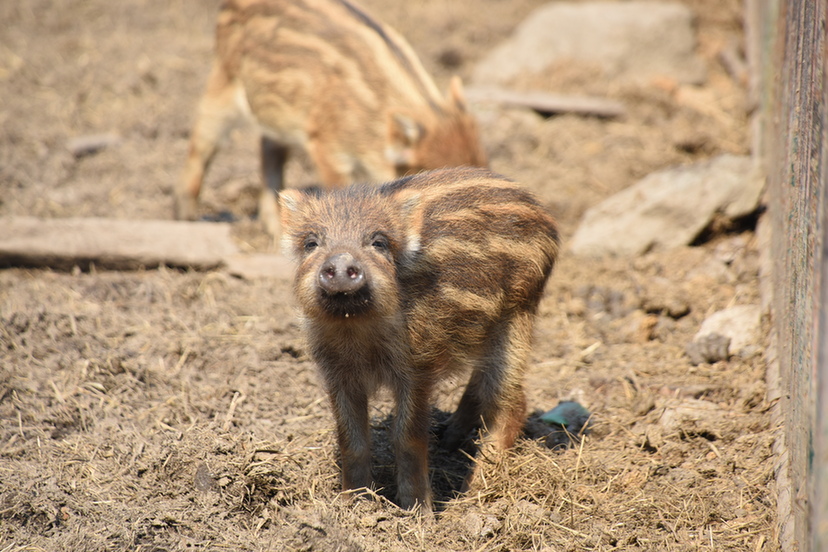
{"x": 347, "y": 304}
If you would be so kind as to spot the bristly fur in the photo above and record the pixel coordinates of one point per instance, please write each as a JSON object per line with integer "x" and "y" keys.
{"x": 455, "y": 263}
{"x": 327, "y": 77}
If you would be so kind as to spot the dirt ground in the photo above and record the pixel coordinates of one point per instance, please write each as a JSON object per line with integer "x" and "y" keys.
{"x": 177, "y": 410}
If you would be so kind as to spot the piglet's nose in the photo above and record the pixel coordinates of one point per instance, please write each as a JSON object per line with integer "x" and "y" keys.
{"x": 341, "y": 273}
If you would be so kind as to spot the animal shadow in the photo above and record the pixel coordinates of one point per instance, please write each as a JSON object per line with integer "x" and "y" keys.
{"x": 449, "y": 468}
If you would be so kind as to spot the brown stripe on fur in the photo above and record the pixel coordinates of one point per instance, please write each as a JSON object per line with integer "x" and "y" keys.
{"x": 400, "y": 52}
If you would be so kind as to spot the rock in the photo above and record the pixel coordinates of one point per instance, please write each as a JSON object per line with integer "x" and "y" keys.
{"x": 649, "y": 436}
{"x": 665, "y": 299}
{"x": 629, "y": 41}
{"x": 712, "y": 270}
{"x": 693, "y": 417}
{"x": 669, "y": 208}
{"x": 709, "y": 348}
{"x": 481, "y": 527}
{"x": 371, "y": 521}
{"x": 81, "y": 146}
{"x": 203, "y": 480}
{"x": 740, "y": 325}
{"x": 604, "y": 300}
{"x": 637, "y": 327}
{"x": 664, "y": 328}
{"x": 684, "y": 477}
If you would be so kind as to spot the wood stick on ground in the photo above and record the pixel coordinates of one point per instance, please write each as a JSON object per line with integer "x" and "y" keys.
{"x": 545, "y": 102}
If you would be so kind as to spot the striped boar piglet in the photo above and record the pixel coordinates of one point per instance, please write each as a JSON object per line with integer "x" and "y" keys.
{"x": 404, "y": 284}
{"x": 326, "y": 77}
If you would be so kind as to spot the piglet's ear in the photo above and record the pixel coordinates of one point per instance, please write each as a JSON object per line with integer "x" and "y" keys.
{"x": 405, "y": 129}
{"x": 289, "y": 203}
{"x": 410, "y": 204}
{"x": 456, "y": 95}
{"x": 404, "y": 134}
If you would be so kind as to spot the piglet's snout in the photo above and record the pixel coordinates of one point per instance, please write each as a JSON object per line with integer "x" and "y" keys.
{"x": 341, "y": 273}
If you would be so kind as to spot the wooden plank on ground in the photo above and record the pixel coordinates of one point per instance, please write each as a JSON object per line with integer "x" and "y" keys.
{"x": 545, "y": 102}
{"x": 113, "y": 243}
{"x": 260, "y": 265}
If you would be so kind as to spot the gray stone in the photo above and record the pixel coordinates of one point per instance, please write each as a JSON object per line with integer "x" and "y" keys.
{"x": 481, "y": 527}
{"x": 89, "y": 144}
{"x": 693, "y": 417}
{"x": 710, "y": 348}
{"x": 669, "y": 208}
{"x": 741, "y": 324}
{"x": 628, "y": 41}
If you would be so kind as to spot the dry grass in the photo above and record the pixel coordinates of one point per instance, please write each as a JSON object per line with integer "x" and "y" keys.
{"x": 179, "y": 422}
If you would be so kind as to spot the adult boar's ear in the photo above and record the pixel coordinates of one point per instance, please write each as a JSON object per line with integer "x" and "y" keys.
{"x": 404, "y": 135}
{"x": 456, "y": 94}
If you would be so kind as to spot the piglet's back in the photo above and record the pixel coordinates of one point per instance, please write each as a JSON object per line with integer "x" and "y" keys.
{"x": 302, "y": 57}
{"x": 481, "y": 250}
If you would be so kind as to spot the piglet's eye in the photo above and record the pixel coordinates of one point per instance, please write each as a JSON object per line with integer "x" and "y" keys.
{"x": 310, "y": 243}
{"x": 380, "y": 242}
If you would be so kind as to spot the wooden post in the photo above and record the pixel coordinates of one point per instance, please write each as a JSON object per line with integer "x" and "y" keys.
{"x": 794, "y": 148}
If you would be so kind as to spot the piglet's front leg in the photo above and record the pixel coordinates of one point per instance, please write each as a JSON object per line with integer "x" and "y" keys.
{"x": 350, "y": 408}
{"x": 411, "y": 428}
